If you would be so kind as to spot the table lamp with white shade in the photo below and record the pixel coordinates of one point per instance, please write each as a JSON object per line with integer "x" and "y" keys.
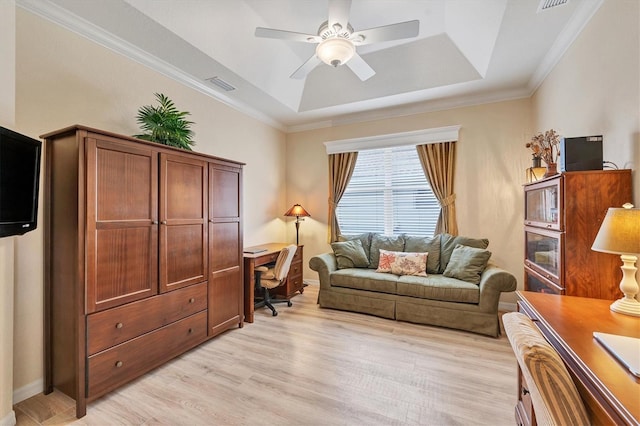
{"x": 620, "y": 234}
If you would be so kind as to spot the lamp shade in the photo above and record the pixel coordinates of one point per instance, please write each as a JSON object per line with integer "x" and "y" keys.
{"x": 335, "y": 51}
{"x": 297, "y": 210}
{"x": 619, "y": 232}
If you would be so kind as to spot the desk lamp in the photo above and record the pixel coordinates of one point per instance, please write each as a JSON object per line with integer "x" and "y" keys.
{"x": 298, "y": 211}
{"x": 620, "y": 234}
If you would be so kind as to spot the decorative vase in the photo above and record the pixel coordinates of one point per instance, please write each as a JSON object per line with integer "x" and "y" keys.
{"x": 552, "y": 169}
{"x": 536, "y": 161}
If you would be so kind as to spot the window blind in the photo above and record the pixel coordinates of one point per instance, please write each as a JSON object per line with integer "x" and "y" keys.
{"x": 389, "y": 194}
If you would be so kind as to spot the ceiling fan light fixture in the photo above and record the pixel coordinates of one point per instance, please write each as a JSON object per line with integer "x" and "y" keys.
{"x": 335, "y": 51}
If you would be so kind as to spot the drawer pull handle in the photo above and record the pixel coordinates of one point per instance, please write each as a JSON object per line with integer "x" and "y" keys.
{"x": 190, "y": 331}
{"x": 525, "y": 391}
{"x": 119, "y": 325}
{"x": 192, "y": 300}
{"x": 118, "y": 364}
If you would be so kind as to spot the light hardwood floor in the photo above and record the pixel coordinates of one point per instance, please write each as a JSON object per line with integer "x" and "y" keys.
{"x": 312, "y": 366}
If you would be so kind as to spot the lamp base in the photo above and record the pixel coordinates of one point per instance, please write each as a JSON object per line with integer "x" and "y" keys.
{"x": 626, "y": 306}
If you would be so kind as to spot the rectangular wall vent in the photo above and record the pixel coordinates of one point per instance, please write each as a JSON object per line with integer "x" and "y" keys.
{"x": 217, "y": 81}
{"x": 548, "y": 4}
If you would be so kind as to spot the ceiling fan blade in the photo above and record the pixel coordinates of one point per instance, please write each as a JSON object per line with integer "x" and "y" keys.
{"x": 339, "y": 12}
{"x": 397, "y": 31}
{"x": 287, "y": 35}
{"x": 306, "y": 68}
{"x": 360, "y": 67}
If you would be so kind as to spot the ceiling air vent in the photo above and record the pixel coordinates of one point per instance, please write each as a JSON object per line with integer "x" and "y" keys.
{"x": 217, "y": 81}
{"x": 549, "y": 4}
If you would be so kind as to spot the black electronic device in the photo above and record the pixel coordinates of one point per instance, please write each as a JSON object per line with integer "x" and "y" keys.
{"x": 19, "y": 182}
{"x": 581, "y": 153}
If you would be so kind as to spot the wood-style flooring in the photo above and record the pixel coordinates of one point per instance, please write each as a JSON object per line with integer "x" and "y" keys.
{"x": 312, "y": 366}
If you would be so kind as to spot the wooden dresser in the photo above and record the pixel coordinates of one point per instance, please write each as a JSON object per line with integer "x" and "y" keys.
{"x": 563, "y": 214}
{"x": 293, "y": 284}
{"x": 143, "y": 257}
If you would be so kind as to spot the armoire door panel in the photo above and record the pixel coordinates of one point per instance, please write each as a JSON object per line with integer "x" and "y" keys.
{"x": 183, "y": 221}
{"x": 183, "y": 258}
{"x": 124, "y": 186}
{"x": 121, "y": 228}
{"x": 224, "y": 245}
{"x": 225, "y": 299}
{"x": 225, "y": 184}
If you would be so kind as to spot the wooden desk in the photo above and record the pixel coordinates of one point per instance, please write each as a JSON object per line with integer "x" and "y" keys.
{"x": 610, "y": 392}
{"x": 251, "y": 260}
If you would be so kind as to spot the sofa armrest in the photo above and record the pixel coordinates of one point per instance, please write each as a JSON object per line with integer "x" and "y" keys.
{"x": 494, "y": 281}
{"x": 324, "y": 264}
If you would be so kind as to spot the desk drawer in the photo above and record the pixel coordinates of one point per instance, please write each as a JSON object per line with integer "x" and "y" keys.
{"x": 117, "y": 325}
{"x": 122, "y": 363}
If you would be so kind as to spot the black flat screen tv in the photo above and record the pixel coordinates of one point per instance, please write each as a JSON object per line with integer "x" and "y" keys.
{"x": 19, "y": 182}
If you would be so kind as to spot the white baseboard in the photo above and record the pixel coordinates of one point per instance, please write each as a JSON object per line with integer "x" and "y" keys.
{"x": 9, "y": 419}
{"x": 28, "y": 391}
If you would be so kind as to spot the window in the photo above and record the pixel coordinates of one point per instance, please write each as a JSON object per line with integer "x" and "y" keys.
{"x": 389, "y": 194}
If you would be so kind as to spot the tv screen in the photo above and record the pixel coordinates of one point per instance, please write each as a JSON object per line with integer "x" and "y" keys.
{"x": 19, "y": 182}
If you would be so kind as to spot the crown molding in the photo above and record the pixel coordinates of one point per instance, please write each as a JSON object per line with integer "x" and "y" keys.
{"x": 86, "y": 29}
{"x": 571, "y": 31}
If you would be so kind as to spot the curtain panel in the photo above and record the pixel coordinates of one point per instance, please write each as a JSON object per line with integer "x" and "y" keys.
{"x": 341, "y": 168}
{"x": 438, "y": 163}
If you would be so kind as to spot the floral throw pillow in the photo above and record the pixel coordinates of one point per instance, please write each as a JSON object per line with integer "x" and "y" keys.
{"x": 403, "y": 263}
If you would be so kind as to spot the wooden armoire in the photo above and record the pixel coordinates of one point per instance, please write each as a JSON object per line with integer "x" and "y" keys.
{"x": 143, "y": 257}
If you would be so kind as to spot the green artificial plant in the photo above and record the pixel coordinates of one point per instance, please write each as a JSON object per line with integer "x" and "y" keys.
{"x": 165, "y": 124}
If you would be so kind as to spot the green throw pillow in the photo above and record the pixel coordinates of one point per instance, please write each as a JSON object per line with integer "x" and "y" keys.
{"x": 350, "y": 254}
{"x": 467, "y": 263}
{"x": 449, "y": 242}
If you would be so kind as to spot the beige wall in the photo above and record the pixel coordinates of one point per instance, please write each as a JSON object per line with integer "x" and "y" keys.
{"x": 7, "y": 244}
{"x": 595, "y": 88}
{"x": 65, "y": 79}
{"x": 490, "y": 170}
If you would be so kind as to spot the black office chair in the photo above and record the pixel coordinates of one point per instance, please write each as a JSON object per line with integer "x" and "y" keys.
{"x": 270, "y": 277}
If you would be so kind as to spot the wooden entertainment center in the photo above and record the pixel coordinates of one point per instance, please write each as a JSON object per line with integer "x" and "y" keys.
{"x": 143, "y": 257}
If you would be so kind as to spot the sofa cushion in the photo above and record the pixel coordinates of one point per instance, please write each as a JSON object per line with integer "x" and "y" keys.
{"x": 403, "y": 263}
{"x": 350, "y": 254}
{"x": 364, "y": 279}
{"x": 386, "y": 243}
{"x": 429, "y": 245}
{"x": 438, "y": 287}
{"x": 449, "y": 242}
{"x": 467, "y": 263}
{"x": 365, "y": 239}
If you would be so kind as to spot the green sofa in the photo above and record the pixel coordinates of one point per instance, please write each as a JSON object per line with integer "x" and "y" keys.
{"x": 458, "y": 289}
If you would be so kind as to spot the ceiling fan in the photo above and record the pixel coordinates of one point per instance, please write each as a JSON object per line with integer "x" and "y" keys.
{"x": 337, "y": 41}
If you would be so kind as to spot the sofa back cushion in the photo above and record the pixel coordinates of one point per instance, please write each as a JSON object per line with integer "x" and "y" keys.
{"x": 350, "y": 254}
{"x": 429, "y": 245}
{"x": 386, "y": 243}
{"x": 449, "y": 242}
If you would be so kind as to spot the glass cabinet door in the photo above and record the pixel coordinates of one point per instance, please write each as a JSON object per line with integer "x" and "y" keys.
{"x": 543, "y": 252}
{"x": 542, "y": 204}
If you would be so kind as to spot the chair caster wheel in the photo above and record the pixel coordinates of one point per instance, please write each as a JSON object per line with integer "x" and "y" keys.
{"x": 289, "y": 304}
{"x": 275, "y": 314}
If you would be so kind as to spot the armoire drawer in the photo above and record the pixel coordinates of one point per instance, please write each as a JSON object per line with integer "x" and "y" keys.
{"x": 117, "y": 325}
{"x": 122, "y": 363}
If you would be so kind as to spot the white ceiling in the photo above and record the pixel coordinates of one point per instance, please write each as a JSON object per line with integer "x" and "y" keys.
{"x": 467, "y": 51}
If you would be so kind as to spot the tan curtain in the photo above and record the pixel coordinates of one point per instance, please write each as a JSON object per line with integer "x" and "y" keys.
{"x": 438, "y": 163}
{"x": 340, "y": 171}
